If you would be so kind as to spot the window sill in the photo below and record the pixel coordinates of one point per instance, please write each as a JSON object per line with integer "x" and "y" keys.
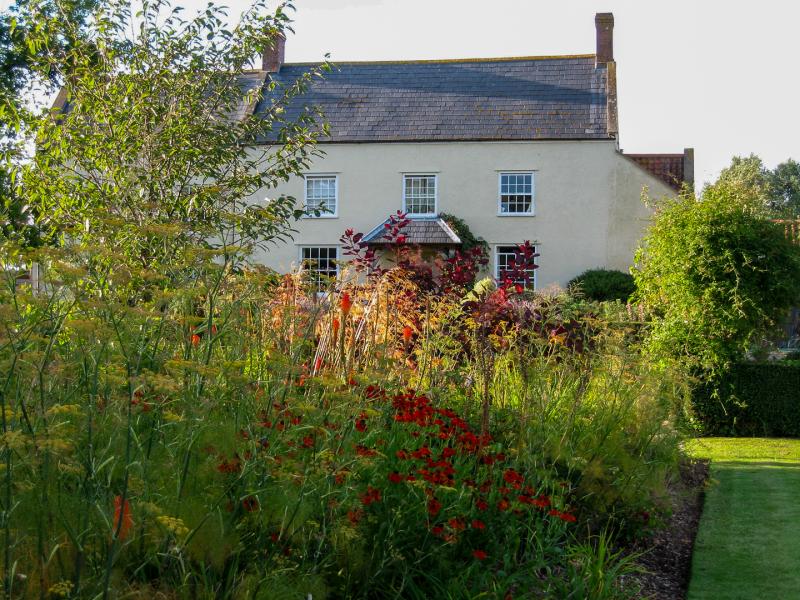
{"x": 314, "y": 218}
{"x": 530, "y": 214}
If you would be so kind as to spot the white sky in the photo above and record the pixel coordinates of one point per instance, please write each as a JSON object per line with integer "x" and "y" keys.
{"x": 721, "y": 76}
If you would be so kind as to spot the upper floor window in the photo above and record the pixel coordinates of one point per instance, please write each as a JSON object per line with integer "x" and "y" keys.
{"x": 419, "y": 195}
{"x": 320, "y": 261}
{"x": 505, "y": 258}
{"x": 516, "y": 193}
{"x": 322, "y": 194}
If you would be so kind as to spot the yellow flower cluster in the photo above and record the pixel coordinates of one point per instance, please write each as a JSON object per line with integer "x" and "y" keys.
{"x": 64, "y": 409}
{"x": 173, "y": 525}
{"x": 56, "y": 445}
{"x": 62, "y": 589}
{"x": 13, "y": 440}
{"x": 172, "y": 417}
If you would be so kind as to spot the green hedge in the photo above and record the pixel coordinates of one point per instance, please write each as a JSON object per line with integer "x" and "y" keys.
{"x": 755, "y": 399}
{"x": 604, "y": 285}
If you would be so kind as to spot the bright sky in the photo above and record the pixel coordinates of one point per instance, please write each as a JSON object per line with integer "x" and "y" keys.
{"x": 717, "y": 75}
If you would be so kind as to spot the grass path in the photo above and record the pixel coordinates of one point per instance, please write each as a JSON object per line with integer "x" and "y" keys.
{"x": 748, "y": 545}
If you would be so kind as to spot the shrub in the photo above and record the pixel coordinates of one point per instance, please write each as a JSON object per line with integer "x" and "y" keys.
{"x": 751, "y": 399}
{"x": 603, "y": 285}
{"x": 714, "y": 272}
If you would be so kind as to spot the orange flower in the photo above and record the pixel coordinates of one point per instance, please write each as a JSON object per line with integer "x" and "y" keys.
{"x": 336, "y": 326}
{"x": 407, "y": 332}
{"x": 195, "y": 340}
{"x": 123, "y": 520}
{"x": 346, "y": 303}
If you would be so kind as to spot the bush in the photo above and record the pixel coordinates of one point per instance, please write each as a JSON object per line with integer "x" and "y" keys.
{"x": 752, "y": 399}
{"x": 714, "y": 272}
{"x": 604, "y": 285}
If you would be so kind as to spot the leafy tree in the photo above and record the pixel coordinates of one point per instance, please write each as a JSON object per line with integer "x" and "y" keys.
{"x": 785, "y": 189}
{"x": 155, "y": 157}
{"x": 18, "y": 77}
{"x": 715, "y": 271}
{"x": 750, "y": 179}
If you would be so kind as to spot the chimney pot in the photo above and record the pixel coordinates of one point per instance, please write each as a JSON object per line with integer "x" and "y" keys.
{"x": 273, "y": 57}
{"x": 604, "y": 22}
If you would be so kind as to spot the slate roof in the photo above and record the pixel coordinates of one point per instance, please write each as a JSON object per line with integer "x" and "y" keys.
{"x": 532, "y": 98}
{"x": 424, "y": 231}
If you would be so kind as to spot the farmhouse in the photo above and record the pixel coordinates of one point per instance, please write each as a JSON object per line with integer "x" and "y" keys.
{"x": 520, "y": 149}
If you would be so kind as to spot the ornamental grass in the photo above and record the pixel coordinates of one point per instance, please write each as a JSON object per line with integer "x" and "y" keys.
{"x": 236, "y": 435}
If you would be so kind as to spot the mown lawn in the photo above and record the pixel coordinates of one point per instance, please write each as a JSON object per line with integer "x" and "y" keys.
{"x": 748, "y": 545}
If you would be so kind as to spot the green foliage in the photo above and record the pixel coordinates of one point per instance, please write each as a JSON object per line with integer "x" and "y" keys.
{"x": 468, "y": 239}
{"x": 751, "y": 399}
{"x": 603, "y": 285}
{"x": 776, "y": 191}
{"x": 156, "y": 152}
{"x": 714, "y": 272}
{"x": 785, "y": 189}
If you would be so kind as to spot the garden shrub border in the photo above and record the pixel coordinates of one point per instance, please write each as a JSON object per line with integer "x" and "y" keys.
{"x": 751, "y": 399}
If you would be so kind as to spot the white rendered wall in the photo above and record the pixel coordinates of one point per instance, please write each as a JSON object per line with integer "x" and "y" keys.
{"x": 588, "y": 209}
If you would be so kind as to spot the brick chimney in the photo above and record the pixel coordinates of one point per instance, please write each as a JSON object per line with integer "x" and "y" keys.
{"x": 604, "y": 22}
{"x": 273, "y": 56}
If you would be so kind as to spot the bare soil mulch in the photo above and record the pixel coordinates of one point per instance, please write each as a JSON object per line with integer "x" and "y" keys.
{"x": 666, "y": 557}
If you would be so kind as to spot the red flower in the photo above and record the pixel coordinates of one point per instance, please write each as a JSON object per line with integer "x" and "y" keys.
{"x": 434, "y": 506}
{"x": 456, "y": 524}
{"x": 371, "y": 496}
{"x": 437, "y": 530}
{"x": 407, "y": 332}
{"x": 123, "y": 520}
{"x": 481, "y": 504}
{"x": 479, "y": 554}
{"x": 230, "y": 466}
{"x": 513, "y": 477}
{"x": 364, "y": 451}
{"x": 564, "y": 516}
{"x": 336, "y": 326}
{"x": 542, "y": 501}
{"x": 423, "y": 452}
{"x": 477, "y": 524}
{"x": 503, "y": 504}
{"x": 402, "y": 455}
{"x": 195, "y": 340}
{"x": 361, "y": 422}
{"x": 354, "y": 516}
{"x": 317, "y": 364}
{"x": 346, "y": 303}
{"x": 395, "y": 477}
{"x": 308, "y": 442}
{"x": 250, "y": 504}
{"x": 448, "y": 453}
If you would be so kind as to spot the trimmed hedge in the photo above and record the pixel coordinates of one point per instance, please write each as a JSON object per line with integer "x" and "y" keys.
{"x": 604, "y": 285}
{"x": 755, "y": 399}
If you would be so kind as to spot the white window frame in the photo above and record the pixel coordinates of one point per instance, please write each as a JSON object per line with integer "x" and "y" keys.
{"x": 323, "y": 215}
{"x": 435, "y": 194}
{"x": 496, "y": 253}
{"x": 327, "y": 247}
{"x": 532, "y": 211}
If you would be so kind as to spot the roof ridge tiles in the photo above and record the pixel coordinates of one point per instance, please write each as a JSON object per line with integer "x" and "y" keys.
{"x": 445, "y": 60}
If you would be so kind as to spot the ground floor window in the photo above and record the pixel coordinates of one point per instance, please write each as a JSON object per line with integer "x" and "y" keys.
{"x": 505, "y": 258}
{"x": 320, "y": 262}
